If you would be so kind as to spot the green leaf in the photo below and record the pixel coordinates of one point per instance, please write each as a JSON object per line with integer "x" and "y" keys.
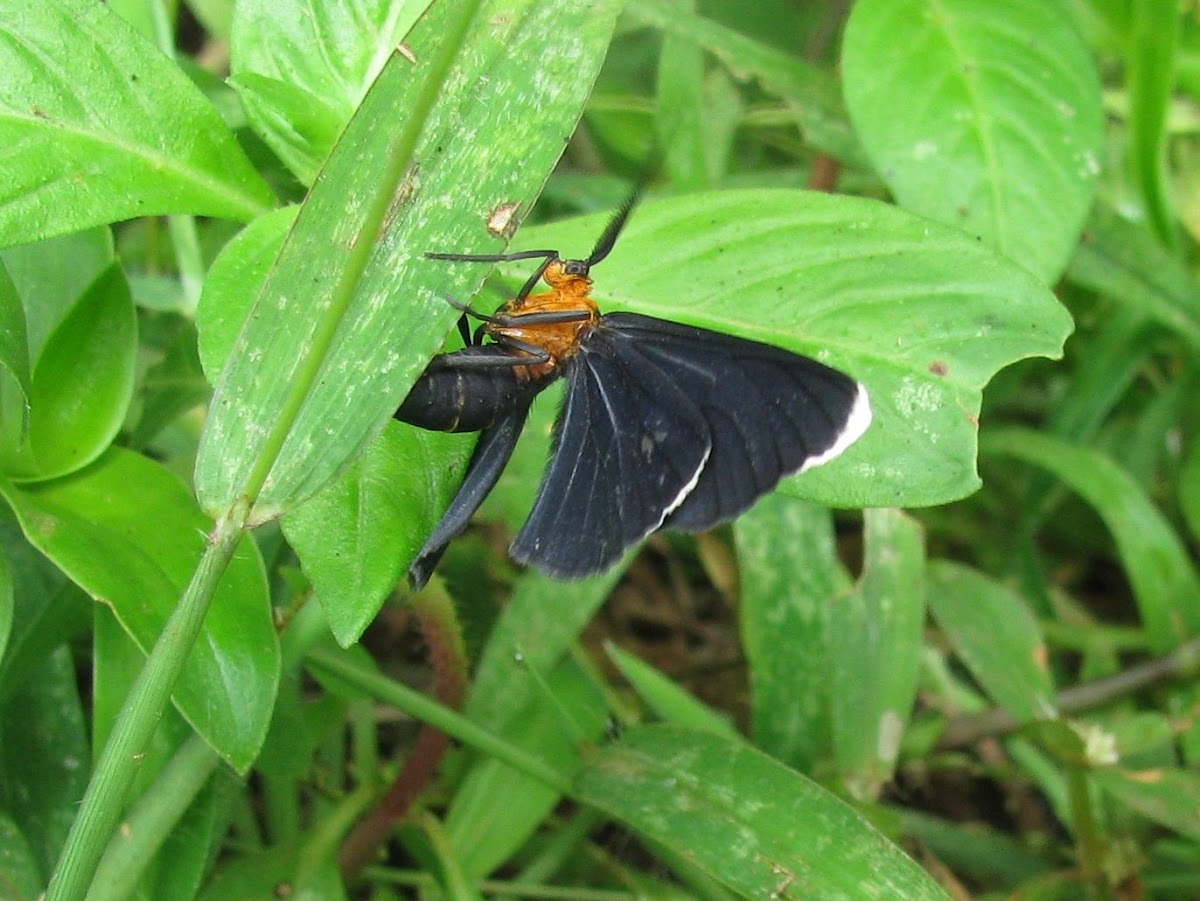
{"x": 982, "y": 115}
{"x": 82, "y": 384}
{"x": 7, "y": 603}
{"x": 875, "y": 647}
{"x": 1189, "y": 489}
{"x": 993, "y": 632}
{"x": 100, "y": 127}
{"x": 1156, "y": 563}
{"x": 129, "y": 533}
{"x": 1152, "y": 47}
{"x": 337, "y": 337}
{"x": 541, "y": 620}
{"x": 1169, "y": 797}
{"x": 790, "y": 576}
{"x": 350, "y": 534}
{"x": 668, "y": 700}
{"x": 15, "y": 375}
{"x": 680, "y": 115}
{"x": 19, "y": 871}
{"x": 50, "y": 276}
{"x": 44, "y": 758}
{"x": 299, "y": 127}
{"x": 1121, "y": 260}
{"x": 810, "y": 92}
{"x": 48, "y": 611}
{"x": 921, "y": 314}
{"x": 301, "y": 69}
{"x": 233, "y": 283}
{"x": 745, "y": 819}
{"x": 496, "y": 809}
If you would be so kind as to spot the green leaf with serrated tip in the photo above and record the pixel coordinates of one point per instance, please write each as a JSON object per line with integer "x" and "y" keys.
{"x": 921, "y": 314}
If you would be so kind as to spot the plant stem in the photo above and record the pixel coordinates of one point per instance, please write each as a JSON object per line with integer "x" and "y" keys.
{"x": 152, "y": 819}
{"x": 429, "y": 711}
{"x": 104, "y": 800}
{"x": 1181, "y": 663}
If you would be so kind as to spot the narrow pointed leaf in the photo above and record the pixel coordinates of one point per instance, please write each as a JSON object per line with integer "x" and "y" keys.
{"x": 744, "y": 819}
{"x": 341, "y": 327}
{"x": 1164, "y": 580}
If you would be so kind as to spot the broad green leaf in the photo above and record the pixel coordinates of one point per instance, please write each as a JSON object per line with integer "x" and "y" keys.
{"x": 129, "y": 533}
{"x": 874, "y": 652}
{"x": 986, "y": 116}
{"x": 100, "y": 127}
{"x": 1156, "y": 563}
{"x": 790, "y": 575}
{"x": 302, "y": 68}
{"x": 921, "y": 314}
{"x": 994, "y": 634}
{"x": 44, "y": 757}
{"x": 82, "y": 384}
{"x": 351, "y": 535}
{"x": 669, "y": 702}
{"x": 1167, "y": 796}
{"x": 341, "y": 328}
{"x": 496, "y": 809}
{"x": 745, "y": 819}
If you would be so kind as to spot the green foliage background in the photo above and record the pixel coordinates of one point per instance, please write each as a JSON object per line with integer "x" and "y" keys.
{"x": 213, "y": 294}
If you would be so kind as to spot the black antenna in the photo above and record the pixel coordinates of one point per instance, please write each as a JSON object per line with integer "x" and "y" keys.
{"x": 608, "y": 237}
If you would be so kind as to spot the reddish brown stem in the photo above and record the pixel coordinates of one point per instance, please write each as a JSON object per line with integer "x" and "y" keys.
{"x": 439, "y": 627}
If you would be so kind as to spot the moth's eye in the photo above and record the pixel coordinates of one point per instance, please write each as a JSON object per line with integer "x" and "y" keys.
{"x": 575, "y": 267}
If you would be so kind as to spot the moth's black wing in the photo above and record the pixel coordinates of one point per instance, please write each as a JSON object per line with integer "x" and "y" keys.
{"x": 629, "y": 446}
{"x": 770, "y": 412}
{"x": 492, "y": 453}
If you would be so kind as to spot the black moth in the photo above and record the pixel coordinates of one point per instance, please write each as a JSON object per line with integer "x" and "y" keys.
{"x": 663, "y": 425}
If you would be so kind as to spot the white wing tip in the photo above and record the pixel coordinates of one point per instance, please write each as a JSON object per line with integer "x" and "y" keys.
{"x": 856, "y": 424}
